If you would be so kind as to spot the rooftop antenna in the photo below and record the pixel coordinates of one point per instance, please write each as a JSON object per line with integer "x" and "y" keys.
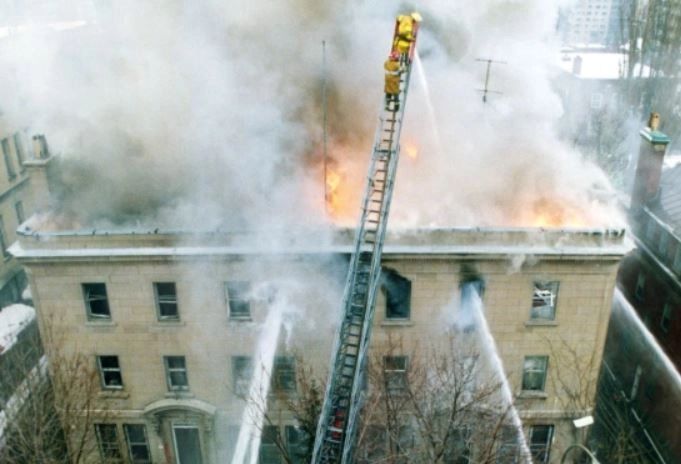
{"x": 487, "y": 90}
{"x": 324, "y": 118}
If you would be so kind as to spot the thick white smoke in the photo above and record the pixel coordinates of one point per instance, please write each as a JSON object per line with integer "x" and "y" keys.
{"x": 208, "y": 114}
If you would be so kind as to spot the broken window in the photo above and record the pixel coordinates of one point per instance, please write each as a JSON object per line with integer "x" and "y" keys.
{"x": 540, "y": 443}
{"x": 397, "y": 292}
{"x": 138, "y": 444}
{"x": 534, "y": 372}
{"x": 110, "y": 372}
{"x": 395, "y": 373}
{"x": 108, "y": 444}
{"x": 284, "y": 374}
{"x": 166, "y": 301}
{"x": 96, "y": 301}
{"x": 544, "y": 299}
{"x": 238, "y": 299}
{"x": 176, "y": 373}
{"x": 242, "y": 373}
{"x": 11, "y": 173}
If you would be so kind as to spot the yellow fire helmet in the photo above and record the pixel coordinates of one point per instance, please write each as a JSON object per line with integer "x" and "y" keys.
{"x": 417, "y": 17}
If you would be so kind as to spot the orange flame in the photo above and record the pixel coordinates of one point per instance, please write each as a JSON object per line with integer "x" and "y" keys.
{"x": 411, "y": 149}
{"x": 555, "y": 213}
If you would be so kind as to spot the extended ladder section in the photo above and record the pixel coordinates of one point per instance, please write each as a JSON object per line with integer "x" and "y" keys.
{"x": 335, "y": 431}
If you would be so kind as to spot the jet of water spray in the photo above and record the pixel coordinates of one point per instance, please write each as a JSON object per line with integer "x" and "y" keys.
{"x": 472, "y": 311}
{"x": 250, "y": 433}
{"x": 423, "y": 83}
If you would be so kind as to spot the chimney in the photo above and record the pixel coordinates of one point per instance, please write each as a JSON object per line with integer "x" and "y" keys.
{"x": 649, "y": 166}
{"x": 37, "y": 169}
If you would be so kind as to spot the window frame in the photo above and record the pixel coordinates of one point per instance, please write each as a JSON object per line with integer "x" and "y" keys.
{"x": 6, "y": 154}
{"x": 19, "y": 150}
{"x": 169, "y": 301}
{"x": 241, "y": 364}
{"x": 284, "y": 366}
{"x": 130, "y": 444}
{"x": 542, "y": 450}
{"x": 108, "y": 446}
{"x": 169, "y": 370}
{"x": 396, "y": 374}
{"x": 525, "y": 386}
{"x": 238, "y": 298}
{"x": 387, "y": 273}
{"x": 87, "y": 301}
{"x": 535, "y": 313}
{"x": 103, "y": 370}
{"x": 3, "y": 240}
{"x": 19, "y": 211}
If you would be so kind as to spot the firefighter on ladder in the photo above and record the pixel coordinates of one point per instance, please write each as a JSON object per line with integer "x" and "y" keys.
{"x": 405, "y": 32}
{"x": 392, "y": 81}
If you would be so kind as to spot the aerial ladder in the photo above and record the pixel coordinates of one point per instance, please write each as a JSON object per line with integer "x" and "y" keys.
{"x": 334, "y": 440}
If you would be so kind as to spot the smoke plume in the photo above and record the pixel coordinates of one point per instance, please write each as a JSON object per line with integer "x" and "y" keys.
{"x": 208, "y": 114}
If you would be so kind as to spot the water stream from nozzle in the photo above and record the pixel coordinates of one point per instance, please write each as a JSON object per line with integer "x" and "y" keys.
{"x": 423, "y": 82}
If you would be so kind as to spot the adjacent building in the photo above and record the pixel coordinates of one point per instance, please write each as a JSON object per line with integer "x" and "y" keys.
{"x": 588, "y": 22}
{"x": 171, "y": 320}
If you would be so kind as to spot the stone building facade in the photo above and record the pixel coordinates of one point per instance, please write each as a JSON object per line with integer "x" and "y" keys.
{"x": 171, "y": 319}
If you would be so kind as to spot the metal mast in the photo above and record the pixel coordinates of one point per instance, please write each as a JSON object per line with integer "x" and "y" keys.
{"x": 336, "y": 428}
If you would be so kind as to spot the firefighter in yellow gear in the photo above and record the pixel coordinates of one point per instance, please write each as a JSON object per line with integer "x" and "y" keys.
{"x": 405, "y": 32}
{"x": 392, "y": 80}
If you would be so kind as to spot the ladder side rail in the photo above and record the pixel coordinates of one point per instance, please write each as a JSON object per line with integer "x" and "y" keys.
{"x": 346, "y": 302}
{"x": 356, "y": 395}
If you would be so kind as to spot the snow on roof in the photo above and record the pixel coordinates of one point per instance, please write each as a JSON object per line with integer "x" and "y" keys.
{"x": 598, "y": 65}
{"x": 13, "y": 319}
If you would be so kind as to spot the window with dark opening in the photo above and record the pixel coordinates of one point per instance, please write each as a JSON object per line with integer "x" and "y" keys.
{"x": 534, "y": 372}
{"x": 238, "y": 299}
{"x": 110, "y": 372}
{"x": 397, "y": 292}
{"x": 108, "y": 444}
{"x": 176, "y": 373}
{"x": 96, "y": 301}
{"x": 269, "y": 450}
{"x": 19, "y": 209}
{"x": 544, "y": 298}
{"x": 395, "y": 373}
{"x": 11, "y": 173}
{"x": 242, "y": 373}
{"x": 166, "y": 301}
{"x": 284, "y": 374}
{"x": 138, "y": 444}
{"x": 298, "y": 443}
{"x": 540, "y": 443}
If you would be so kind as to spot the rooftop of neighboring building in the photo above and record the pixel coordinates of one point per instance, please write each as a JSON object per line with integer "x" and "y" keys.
{"x": 13, "y": 319}
{"x": 597, "y": 62}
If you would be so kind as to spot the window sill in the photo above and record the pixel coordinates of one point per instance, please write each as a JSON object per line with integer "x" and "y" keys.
{"x": 533, "y": 394}
{"x": 541, "y": 323}
{"x": 240, "y": 319}
{"x": 117, "y": 394}
{"x": 107, "y": 324}
{"x": 176, "y": 394}
{"x": 168, "y": 324}
{"x": 397, "y": 323}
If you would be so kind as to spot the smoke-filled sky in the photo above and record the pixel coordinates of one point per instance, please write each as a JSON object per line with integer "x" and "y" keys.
{"x": 208, "y": 113}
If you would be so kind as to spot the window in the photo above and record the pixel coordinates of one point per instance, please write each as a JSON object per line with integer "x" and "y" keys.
{"x": 639, "y": 291}
{"x": 176, "y": 373}
{"x": 540, "y": 443}
{"x": 395, "y": 373}
{"x": 166, "y": 301}
{"x": 666, "y": 317}
{"x": 11, "y": 173}
{"x": 237, "y": 299}
{"x": 96, "y": 301}
{"x": 110, "y": 372}
{"x": 544, "y": 299}
{"x": 458, "y": 450}
{"x": 19, "y": 147}
{"x": 107, "y": 441}
{"x": 284, "y": 374}
{"x": 138, "y": 445}
{"x": 19, "y": 209}
{"x": 269, "y": 451}
{"x": 3, "y": 242}
{"x": 397, "y": 292}
{"x": 297, "y": 443}
{"x": 242, "y": 373}
{"x": 534, "y": 372}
